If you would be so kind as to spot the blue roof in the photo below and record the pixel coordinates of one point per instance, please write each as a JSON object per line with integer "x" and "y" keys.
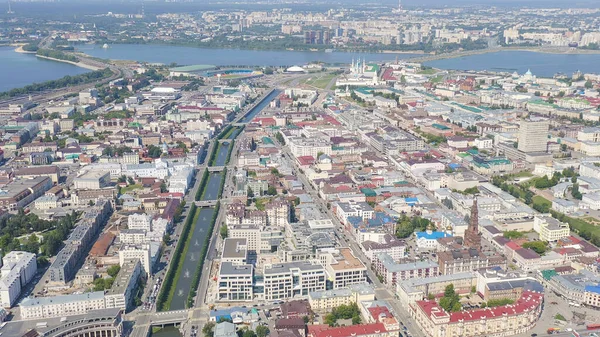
{"x": 432, "y": 236}
{"x": 354, "y": 220}
{"x": 411, "y": 200}
{"x": 226, "y": 312}
{"x": 593, "y": 289}
{"x": 454, "y": 165}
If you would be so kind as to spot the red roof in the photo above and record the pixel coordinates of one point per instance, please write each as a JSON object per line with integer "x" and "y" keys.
{"x": 345, "y": 331}
{"x": 380, "y": 312}
{"x": 512, "y": 245}
{"x": 331, "y": 120}
{"x": 528, "y": 300}
{"x": 306, "y": 160}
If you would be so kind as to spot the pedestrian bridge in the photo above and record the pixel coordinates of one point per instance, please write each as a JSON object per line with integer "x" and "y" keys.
{"x": 206, "y": 203}
{"x": 216, "y": 168}
{"x": 158, "y": 319}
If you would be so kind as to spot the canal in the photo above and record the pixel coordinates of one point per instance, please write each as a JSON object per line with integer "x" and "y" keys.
{"x": 260, "y": 106}
{"x": 212, "y": 186}
{"x": 168, "y": 331}
{"x": 192, "y": 257}
{"x": 203, "y": 222}
{"x": 222, "y": 152}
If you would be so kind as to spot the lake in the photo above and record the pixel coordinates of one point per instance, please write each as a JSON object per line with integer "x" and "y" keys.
{"x": 224, "y": 57}
{"x": 19, "y": 70}
{"x": 541, "y": 64}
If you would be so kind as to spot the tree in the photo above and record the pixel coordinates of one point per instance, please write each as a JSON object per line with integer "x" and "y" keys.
{"x": 113, "y": 270}
{"x": 271, "y": 190}
{"x": 163, "y": 187}
{"x": 280, "y": 138}
{"x": 248, "y": 333}
{"x": 209, "y": 329}
{"x": 588, "y": 84}
{"x": 539, "y": 247}
{"x": 42, "y": 261}
{"x": 450, "y": 301}
{"x": 130, "y": 181}
{"x": 154, "y": 151}
{"x": 122, "y": 179}
{"x": 224, "y": 233}
{"x": 262, "y": 331}
{"x": 250, "y": 193}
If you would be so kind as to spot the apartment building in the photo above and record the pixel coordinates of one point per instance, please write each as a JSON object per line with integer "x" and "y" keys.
{"x": 141, "y": 252}
{"x": 343, "y": 268}
{"x": 344, "y": 210}
{"x": 287, "y": 280}
{"x": 392, "y": 271}
{"x": 18, "y": 269}
{"x": 508, "y": 320}
{"x": 461, "y": 260}
{"x": 62, "y": 305}
{"x": 139, "y": 221}
{"x": 64, "y": 267}
{"x": 235, "y": 282}
{"x": 550, "y": 229}
{"x": 533, "y": 135}
{"x": 21, "y": 192}
{"x": 123, "y": 290}
{"x": 92, "y": 180}
{"x": 327, "y": 299}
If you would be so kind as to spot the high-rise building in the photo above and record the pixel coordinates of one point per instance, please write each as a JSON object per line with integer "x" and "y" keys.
{"x": 533, "y": 135}
{"x": 472, "y": 235}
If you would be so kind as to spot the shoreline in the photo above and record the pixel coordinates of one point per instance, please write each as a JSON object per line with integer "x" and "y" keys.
{"x": 556, "y": 51}
{"x": 79, "y": 64}
{"x": 20, "y": 50}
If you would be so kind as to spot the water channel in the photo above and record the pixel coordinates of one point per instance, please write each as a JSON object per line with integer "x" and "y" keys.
{"x": 203, "y": 224}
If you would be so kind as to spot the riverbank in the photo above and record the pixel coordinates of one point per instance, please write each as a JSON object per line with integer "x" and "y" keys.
{"x": 541, "y": 50}
{"x": 20, "y": 50}
{"x": 79, "y": 64}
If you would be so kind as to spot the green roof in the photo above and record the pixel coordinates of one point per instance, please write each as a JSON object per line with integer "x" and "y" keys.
{"x": 192, "y": 68}
{"x": 548, "y": 274}
{"x": 440, "y": 126}
{"x": 369, "y": 192}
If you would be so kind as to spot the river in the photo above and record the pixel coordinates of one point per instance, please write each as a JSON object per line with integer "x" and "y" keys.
{"x": 19, "y": 70}
{"x": 541, "y": 64}
{"x": 191, "y": 259}
{"x": 203, "y": 223}
{"x": 223, "y": 57}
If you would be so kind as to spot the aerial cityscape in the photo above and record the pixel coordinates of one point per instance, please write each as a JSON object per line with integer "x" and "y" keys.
{"x": 299, "y": 169}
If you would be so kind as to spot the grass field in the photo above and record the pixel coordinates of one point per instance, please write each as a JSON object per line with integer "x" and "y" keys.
{"x": 541, "y": 200}
{"x": 320, "y": 80}
{"x": 130, "y": 188}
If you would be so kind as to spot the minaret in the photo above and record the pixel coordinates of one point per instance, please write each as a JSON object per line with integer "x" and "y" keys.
{"x": 472, "y": 235}
{"x": 10, "y": 11}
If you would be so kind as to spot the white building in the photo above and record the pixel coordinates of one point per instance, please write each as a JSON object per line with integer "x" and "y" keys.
{"x": 235, "y": 282}
{"x": 533, "y": 135}
{"x": 132, "y": 236}
{"x": 62, "y": 305}
{"x": 343, "y": 210}
{"x": 343, "y": 268}
{"x": 141, "y": 252}
{"x": 139, "y": 221}
{"x": 549, "y": 228}
{"x": 18, "y": 269}
{"x": 121, "y": 294}
{"x": 592, "y": 200}
{"x": 294, "y": 279}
